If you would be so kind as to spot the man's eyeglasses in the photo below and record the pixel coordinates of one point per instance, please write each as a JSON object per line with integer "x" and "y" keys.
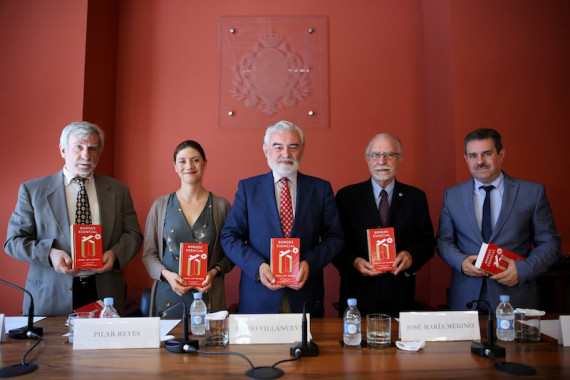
{"x": 386, "y": 155}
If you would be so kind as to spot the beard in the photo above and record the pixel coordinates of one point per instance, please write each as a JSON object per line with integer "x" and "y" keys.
{"x": 83, "y": 169}
{"x": 389, "y": 174}
{"x": 284, "y": 167}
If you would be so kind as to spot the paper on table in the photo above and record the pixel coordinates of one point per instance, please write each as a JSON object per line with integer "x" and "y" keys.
{"x": 550, "y": 327}
{"x": 218, "y": 315}
{"x": 411, "y": 346}
{"x": 530, "y": 312}
{"x": 17, "y": 322}
{"x": 166, "y": 325}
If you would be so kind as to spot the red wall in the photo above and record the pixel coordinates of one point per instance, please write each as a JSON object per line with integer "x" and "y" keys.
{"x": 42, "y": 50}
{"x": 428, "y": 71}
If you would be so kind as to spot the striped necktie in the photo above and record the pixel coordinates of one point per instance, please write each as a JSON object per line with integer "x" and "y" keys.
{"x": 383, "y": 208}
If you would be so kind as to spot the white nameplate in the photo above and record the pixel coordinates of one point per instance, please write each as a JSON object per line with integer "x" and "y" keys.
{"x": 439, "y": 326}
{"x": 565, "y": 330}
{"x": 111, "y": 333}
{"x": 2, "y": 329}
{"x": 267, "y": 328}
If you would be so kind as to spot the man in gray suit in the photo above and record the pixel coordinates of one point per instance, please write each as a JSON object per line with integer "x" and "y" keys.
{"x": 39, "y": 228}
{"x": 520, "y": 220}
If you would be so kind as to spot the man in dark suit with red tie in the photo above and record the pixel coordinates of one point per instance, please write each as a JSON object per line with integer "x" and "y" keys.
{"x": 379, "y": 202}
{"x": 260, "y": 212}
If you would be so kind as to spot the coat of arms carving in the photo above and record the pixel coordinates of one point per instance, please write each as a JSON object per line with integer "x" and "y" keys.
{"x": 271, "y": 75}
{"x": 273, "y": 68}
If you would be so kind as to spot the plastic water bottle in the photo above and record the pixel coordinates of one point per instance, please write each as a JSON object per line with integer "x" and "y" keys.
{"x": 505, "y": 319}
{"x": 198, "y": 315}
{"x": 109, "y": 310}
{"x": 352, "y": 335}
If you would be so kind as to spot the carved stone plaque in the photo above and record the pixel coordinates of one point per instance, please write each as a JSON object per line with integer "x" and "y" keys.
{"x": 271, "y": 69}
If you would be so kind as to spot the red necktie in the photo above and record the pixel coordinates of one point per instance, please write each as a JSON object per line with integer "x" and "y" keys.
{"x": 383, "y": 208}
{"x": 286, "y": 208}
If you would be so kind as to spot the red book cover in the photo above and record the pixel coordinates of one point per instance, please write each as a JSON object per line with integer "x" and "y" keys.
{"x": 94, "y": 307}
{"x": 490, "y": 258}
{"x": 86, "y": 246}
{"x": 381, "y": 248}
{"x": 285, "y": 254}
{"x": 193, "y": 264}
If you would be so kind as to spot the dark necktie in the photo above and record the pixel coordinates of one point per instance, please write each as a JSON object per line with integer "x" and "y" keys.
{"x": 486, "y": 220}
{"x": 82, "y": 209}
{"x": 383, "y": 208}
{"x": 286, "y": 208}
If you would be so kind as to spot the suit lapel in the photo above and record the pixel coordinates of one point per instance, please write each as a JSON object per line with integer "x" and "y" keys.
{"x": 302, "y": 202}
{"x": 365, "y": 204}
{"x": 469, "y": 209}
{"x": 397, "y": 198}
{"x": 511, "y": 189}
{"x": 56, "y": 199}
{"x": 106, "y": 200}
{"x": 369, "y": 208}
{"x": 268, "y": 203}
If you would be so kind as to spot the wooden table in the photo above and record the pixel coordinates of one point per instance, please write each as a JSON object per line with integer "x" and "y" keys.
{"x": 438, "y": 360}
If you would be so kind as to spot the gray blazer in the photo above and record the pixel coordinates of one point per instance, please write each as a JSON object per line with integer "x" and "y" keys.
{"x": 40, "y": 222}
{"x": 525, "y": 226}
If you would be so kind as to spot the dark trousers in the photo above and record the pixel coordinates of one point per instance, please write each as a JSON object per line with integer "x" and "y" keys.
{"x": 84, "y": 291}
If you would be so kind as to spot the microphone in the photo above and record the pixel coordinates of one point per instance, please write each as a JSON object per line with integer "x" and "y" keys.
{"x": 191, "y": 346}
{"x": 23, "y": 368}
{"x": 29, "y": 331}
{"x": 481, "y": 348}
{"x": 180, "y": 345}
{"x": 304, "y": 348}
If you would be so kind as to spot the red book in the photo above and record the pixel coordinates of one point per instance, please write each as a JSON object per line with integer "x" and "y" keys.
{"x": 490, "y": 258}
{"x": 193, "y": 264}
{"x": 285, "y": 254}
{"x": 94, "y": 307}
{"x": 381, "y": 248}
{"x": 86, "y": 246}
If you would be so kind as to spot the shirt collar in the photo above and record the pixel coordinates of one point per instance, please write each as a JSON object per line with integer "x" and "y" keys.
{"x": 69, "y": 177}
{"x": 498, "y": 182}
{"x": 376, "y": 188}
{"x": 292, "y": 177}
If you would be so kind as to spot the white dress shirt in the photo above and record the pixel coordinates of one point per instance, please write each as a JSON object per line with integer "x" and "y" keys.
{"x": 496, "y": 199}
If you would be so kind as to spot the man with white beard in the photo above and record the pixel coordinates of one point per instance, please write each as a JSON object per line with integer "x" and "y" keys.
{"x": 256, "y": 217}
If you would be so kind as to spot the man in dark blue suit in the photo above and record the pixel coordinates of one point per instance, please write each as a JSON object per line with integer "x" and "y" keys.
{"x": 255, "y": 218}
{"x": 520, "y": 220}
{"x": 407, "y": 212}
